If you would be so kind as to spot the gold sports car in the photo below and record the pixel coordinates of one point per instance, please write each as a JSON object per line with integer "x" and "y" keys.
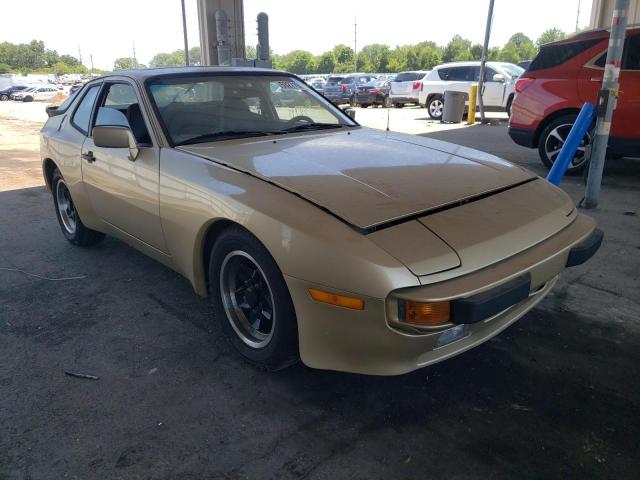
{"x": 315, "y": 238}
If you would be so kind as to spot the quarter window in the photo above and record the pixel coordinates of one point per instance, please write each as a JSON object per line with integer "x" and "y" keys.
{"x": 631, "y": 54}
{"x": 82, "y": 115}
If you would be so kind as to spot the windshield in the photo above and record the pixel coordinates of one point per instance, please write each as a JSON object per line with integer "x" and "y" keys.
{"x": 197, "y": 109}
{"x": 513, "y": 70}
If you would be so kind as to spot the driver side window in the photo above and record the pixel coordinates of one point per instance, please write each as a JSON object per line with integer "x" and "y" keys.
{"x": 120, "y": 107}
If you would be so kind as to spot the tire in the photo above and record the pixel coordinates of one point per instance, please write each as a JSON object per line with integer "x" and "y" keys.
{"x": 552, "y": 138}
{"x": 265, "y": 332}
{"x": 398, "y": 105}
{"x": 435, "y": 107}
{"x": 72, "y": 227}
{"x": 4, "y": 97}
{"x": 364, "y": 105}
{"x": 386, "y": 102}
{"x": 352, "y": 102}
{"x": 27, "y": 99}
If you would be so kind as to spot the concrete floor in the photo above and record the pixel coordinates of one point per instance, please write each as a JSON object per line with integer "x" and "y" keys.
{"x": 557, "y": 395}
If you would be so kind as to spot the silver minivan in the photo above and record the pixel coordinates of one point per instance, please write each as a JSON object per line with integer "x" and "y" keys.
{"x": 405, "y": 88}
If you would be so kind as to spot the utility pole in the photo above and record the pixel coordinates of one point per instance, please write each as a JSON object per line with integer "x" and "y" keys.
{"x": 606, "y": 103}
{"x": 135, "y": 60}
{"x": 79, "y": 55}
{"x": 186, "y": 42}
{"x": 355, "y": 43}
{"x": 483, "y": 60}
{"x": 578, "y": 16}
{"x": 91, "y": 59}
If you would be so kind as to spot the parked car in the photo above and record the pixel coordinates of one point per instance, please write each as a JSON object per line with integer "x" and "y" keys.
{"x": 6, "y": 93}
{"x": 563, "y": 76}
{"x": 342, "y": 89}
{"x": 317, "y": 83}
{"x": 405, "y": 88}
{"x": 499, "y": 86}
{"x": 313, "y": 237}
{"x": 375, "y": 92}
{"x": 36, "y": 93}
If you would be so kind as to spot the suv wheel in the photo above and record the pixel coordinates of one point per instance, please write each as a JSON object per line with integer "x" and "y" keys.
{"x": 4, "y": 97}
{"x": 435, "y": 107}
{"x": 552, "y": 139}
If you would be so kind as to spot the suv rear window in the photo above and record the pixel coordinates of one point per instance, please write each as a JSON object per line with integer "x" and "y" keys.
{"x": 554, "y": 55}
{"x": 408, "y": 77}
{"x": 334, "y": 80}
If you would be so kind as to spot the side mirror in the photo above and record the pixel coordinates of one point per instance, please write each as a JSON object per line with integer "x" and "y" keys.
{"x": 114, "y": 136}
{"x": 51, "y": 110}
{"x": 351, "y": 112}
{"x": 498, "y": 77}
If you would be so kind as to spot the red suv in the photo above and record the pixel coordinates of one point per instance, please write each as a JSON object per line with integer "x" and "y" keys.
{"x": 563, "y": 76}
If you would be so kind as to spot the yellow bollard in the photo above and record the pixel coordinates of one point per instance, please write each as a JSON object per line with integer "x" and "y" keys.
{"x": 471, "y": 114}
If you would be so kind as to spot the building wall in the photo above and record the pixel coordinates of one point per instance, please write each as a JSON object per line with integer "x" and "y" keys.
{"x": 601, "y": 12}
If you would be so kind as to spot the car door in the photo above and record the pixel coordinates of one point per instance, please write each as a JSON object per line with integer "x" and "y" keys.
{"x": 494, "y": 92}
{"x": 624, "y": 122}
{"x": 124, "y": 192}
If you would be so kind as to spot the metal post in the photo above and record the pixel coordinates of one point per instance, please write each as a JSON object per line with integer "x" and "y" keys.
{"x": 184, "y": 30}
{"x": 473, "y": 95}
{"x": 483, "y": 60}
{"x": 355, "y": 43}
{"x": 607, "y": 99}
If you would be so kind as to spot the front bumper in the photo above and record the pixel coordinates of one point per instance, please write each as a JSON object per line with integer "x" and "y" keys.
{"x": 368, "y": 342}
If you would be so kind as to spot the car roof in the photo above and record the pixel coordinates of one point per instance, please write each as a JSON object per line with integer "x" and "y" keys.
{"x": 601, "y": 33}
{"x": 471, "y": 63}
{"x": 145, "y": 73}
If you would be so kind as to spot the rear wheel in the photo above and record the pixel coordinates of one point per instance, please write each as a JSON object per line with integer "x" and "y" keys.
{"x": 27, "y": 99}
{"x": 72, "y": 227}
{"x": 364, "y": 105}
{"x": 435, "y": 107}
{"x": 398, "y": 105}
{"x": 251, "y": 299}
{"x": 352, "y": 101}
{"x": 4, "y": 97}
{"x": 553, "y": 138}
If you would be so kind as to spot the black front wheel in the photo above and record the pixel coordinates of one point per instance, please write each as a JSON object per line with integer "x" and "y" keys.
{"x": 251, "y": 299}
{"x": 553, "y": 138}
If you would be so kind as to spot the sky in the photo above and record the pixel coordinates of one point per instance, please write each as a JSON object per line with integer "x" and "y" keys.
{"x": 108, "y": 30}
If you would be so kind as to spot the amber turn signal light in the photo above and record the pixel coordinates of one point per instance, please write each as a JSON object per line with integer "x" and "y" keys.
{"x": 418, "y": 313}
{"x": 339, "y": 300}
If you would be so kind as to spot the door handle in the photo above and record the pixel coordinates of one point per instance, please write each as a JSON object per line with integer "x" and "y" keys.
{"x": 596, "y": 79}
{"x": 89, "y": 157}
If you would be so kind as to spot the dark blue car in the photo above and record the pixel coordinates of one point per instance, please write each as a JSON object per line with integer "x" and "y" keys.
{"x": 342, "y": 89}
{"x": 7, "y": 92}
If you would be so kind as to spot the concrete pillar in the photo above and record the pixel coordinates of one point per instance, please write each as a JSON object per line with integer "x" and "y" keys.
{"x": 208, "y": 34}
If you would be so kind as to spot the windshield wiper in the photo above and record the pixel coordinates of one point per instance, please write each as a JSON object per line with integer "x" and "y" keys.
{"x": 223, "y": 135}
{"x": 312, "y": 126}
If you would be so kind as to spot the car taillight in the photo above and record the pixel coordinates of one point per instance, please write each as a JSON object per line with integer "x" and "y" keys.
{"x": 343, "y": 88}
{"x": 417, "y": 85}
{"x": 523, "y": 83}
{"x": 374, "y": 90}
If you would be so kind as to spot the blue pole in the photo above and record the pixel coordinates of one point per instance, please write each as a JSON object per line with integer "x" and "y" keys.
{"x": 571, "y": 144}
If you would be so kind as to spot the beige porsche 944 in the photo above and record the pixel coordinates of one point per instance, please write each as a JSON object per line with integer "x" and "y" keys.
{"x": 314, "y": 238}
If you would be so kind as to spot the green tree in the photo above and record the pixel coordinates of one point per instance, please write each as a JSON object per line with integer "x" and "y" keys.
{"x": 428, "y": 55}
{"x": 325, "y": 63}
{"x": 343, "y": 56}
{"x": 69, "y": 60}
{"x": 374, "y": 58}
{"x": 125, "y": 63}
{"x": 61, "y": 68}
{"x": 550, "y": 35}
{"x": 457, "y": 49}
{"x": 518, "y": 48}
{"x": 173, "y": 59}
{"x": 5, "y": 68}
{"x": 194, "y": 55}
{"x": 298, "y": 61}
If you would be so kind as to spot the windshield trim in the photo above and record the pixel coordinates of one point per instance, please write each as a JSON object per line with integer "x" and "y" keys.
{"x": 194, "y": 76}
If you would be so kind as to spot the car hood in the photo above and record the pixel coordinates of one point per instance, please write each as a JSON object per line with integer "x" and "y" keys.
{"x": 367, "y": 177}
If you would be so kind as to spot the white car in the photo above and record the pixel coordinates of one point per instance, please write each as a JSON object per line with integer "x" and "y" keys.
{"x": 405, "y": 88}
{"x": 499, "y": 86}
{"x": 36, "y": 93}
